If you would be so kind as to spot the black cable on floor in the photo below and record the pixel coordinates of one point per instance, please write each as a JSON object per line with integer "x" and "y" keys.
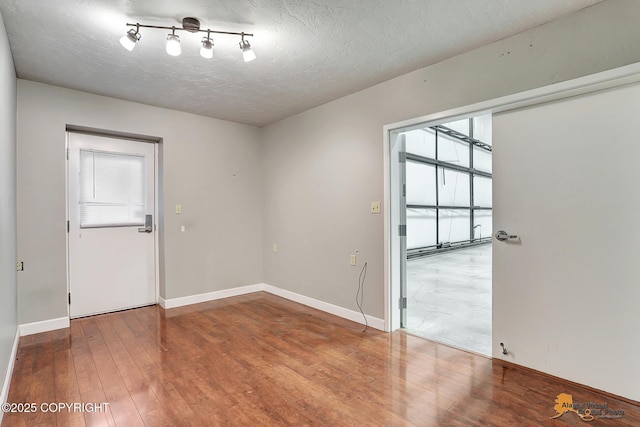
{"x": 360, "y": 294}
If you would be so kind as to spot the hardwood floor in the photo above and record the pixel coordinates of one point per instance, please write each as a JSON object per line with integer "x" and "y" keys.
{"x": 262, "y": 360}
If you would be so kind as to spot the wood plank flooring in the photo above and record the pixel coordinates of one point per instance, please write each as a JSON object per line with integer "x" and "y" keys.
{"x": 262, "y": 360}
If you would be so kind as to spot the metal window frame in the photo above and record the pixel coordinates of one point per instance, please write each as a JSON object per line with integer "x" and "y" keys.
{"x": 470, "y": 171}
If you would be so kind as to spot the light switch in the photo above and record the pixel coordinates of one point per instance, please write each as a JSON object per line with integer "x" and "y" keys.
{"x": 182, "y": 228}
{"x": 275, "y": 248}
{"x": 352, "y": 259}
{"x": 375, "y": 207}
{"x": 178, "y": 209}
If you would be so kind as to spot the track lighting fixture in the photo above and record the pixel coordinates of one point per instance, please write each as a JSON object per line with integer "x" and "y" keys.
{"x": 192, "y": 25}
{"x": 129, "y": 40}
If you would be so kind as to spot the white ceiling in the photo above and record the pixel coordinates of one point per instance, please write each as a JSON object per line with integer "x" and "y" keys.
{"x": 309, "y": 51}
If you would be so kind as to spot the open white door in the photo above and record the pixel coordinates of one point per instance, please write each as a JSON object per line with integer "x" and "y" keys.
{"x": 111, "y": 224}
{"x": 566, "y": 288}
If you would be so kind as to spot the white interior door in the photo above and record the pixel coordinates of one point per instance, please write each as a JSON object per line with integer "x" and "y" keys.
{"x": 111, "y": 191}
{"x": 566, "y": 289}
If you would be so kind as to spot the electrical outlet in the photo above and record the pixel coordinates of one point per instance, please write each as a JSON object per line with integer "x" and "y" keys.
{"x": 19, "y": 266}
{"x": 352, "y": 259}
{"x": 274, "y": 248}
{"x": 375, "y": 207}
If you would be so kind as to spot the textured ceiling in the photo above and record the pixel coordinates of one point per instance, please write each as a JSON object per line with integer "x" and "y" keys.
{"x": 309, "y": 51}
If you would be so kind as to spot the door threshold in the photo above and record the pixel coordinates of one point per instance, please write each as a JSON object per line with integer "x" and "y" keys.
{"x": 113, "y": 311}
{"x": 475, "y": 353}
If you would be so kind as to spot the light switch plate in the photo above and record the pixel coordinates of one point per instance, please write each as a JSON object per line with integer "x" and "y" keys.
{"x": 352, "y": 259}
{"x": 178, "y": 209}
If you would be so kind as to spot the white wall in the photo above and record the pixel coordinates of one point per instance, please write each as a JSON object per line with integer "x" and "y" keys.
{"x": 211, "y": 167}
{"x": 323, "y": 167}
{"x": 8, "y": 304}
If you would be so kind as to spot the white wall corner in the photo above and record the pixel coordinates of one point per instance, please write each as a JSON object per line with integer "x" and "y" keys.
{"x": 209, "y": 296}
{"x": 44, "y": 326}
{"x": 4, "y": 395}
{"x": 345, "y": 313}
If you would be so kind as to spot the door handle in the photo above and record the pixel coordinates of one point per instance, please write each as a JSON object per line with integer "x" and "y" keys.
{"x": 148, "y": 224}
{"x": 503, "y": 236}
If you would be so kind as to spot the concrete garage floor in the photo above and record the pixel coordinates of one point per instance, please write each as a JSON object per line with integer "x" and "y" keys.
{"x": 449, "y": 298}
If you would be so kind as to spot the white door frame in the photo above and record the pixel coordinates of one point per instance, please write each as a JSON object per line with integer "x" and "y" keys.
{"x": 580, "y": 86}
{"x": 156, "y": 181}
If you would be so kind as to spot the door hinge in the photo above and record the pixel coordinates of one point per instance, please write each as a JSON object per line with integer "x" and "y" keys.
{"x": 402, "y": 157}
{"x": 69, "y": 298}
{"x": 67, "y": 226}
{"x": 402, "y": 302}
{"x": 402, "y": 230}
{"x": 67, "y": 154}
{"x": 404, "y": 190}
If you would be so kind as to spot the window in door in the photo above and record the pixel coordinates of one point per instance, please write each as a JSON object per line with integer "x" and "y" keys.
{"x": 112, "y": 190}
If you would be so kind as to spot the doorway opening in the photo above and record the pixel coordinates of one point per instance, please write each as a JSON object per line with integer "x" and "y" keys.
{"x": 112, "y": 232}
{"x": 446, "y": 208}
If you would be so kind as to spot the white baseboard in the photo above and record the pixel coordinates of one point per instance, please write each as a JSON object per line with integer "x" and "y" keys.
{"x": 356, "y": 316}
{"x": 4, "y": 394}
{"x": 209, "y": 296}
{"x": 44, "y": 326}
{"x": 345, "y": 313}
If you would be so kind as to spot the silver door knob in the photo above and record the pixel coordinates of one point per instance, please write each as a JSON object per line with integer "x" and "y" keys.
{"x": 504, "y": 236}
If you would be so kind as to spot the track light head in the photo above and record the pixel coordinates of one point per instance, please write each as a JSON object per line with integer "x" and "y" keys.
{"x": 129, "y": 40}
{"x": 173, "y": 44}
{"x": 206, "y": 51}
{"x": 247, "y": 52}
